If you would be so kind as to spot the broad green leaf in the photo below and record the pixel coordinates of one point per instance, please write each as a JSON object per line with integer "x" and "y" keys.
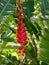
{"x": 44, "y": 45}
{"x": 44, "y": 55}
{"x": 6, "y": 7}
{"x": 44, "y": 4}
{"x": 28, "y": 7}
{"x": 8, "y": 39}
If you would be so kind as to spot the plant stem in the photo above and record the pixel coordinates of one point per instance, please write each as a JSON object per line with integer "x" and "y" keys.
{"x": 21, "y": 62}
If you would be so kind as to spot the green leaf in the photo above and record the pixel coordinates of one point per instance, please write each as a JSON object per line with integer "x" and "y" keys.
{"x": 44, "y": 7}
{"x": 28, "y": 8}
{"x": 6, "y": 7}
{"x": 44, "y": 45}
{"x": 8, "y": 39}
{"x": 31, "y": 28}
{"x": 44, "y": 55}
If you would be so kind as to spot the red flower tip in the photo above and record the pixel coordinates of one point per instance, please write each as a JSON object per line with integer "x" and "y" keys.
{"x": 22, "y": 49}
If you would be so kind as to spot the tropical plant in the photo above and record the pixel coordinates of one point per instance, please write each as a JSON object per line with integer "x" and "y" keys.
{"x": 34, "y": 30}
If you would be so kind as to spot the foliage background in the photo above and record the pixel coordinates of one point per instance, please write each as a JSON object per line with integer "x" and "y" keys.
{"x": 36, "y": 20}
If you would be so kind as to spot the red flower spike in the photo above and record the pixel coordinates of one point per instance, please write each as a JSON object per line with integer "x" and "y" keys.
{"x": 22, "y": 26}
{"x": 24, "y": 43}
{"x": 19, "y": 40}
{"x": 24, "y": 39}
{"x": 24, "y": 34}
{"x": 20, "y": 23}
{"x": 21, "y": 18}
{"x": 21, "y": 32}
{"x": 22, "y": 49}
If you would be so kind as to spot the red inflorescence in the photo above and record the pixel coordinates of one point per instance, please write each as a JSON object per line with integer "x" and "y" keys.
{"x": 21, "y": 32}
{"x": 22, "y": 49}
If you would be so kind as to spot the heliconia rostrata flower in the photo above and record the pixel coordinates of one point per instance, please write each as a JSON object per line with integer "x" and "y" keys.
{"x": 21, "y": 32}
